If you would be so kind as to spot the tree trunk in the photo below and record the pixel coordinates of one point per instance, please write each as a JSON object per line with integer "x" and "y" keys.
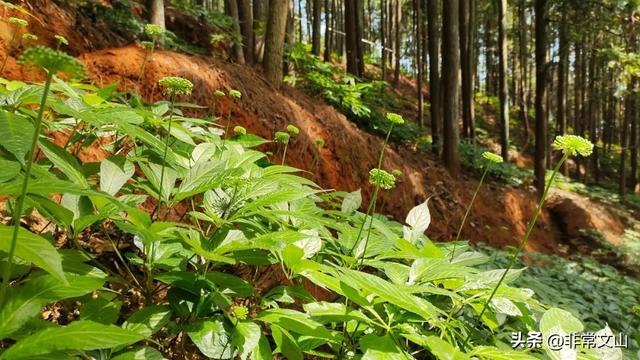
{"x": 315, "y": 40}
{"x": 633, "y": 143}
{"x": 156, "y": 12}
{"x": 523, "y": 55}
{"x": 541, "y": 94}
{"x": 246, "y": 26}
{"x": 503, "y": 91}
{"x": 260, "y": 12}
{"x": 383, "y": 53}
{"x": 352, "y": 39}
{"x": 435, "y": 109}
{"x": 232, "y": 11}
{"x": 398, "y": 22}
{"x": 359, "y": 35}
{"x": 466, "y": 59}
{"x": 419, "y": 61}
{"x": 274, "y": 41}
{"x": 628, "y": 114}
{"x": 327, "y": 29}
{"x": 451, "y": 82}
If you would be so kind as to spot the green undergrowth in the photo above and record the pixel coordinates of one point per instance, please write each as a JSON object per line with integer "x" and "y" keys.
{"x": 593, "y": 292}
{"x": 144, "y": 255}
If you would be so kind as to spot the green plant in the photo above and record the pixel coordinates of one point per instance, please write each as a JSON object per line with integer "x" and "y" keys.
{"x": 569, "y": 145}
{"x": 17, "y": 24}
{"x": 155, "y": 33}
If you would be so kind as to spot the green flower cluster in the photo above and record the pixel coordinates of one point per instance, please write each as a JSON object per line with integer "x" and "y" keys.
{"x": 61, "y": 39}
{"x": 240, "y": 130}
{"x": 573, "y": 145}
{"x": 491, "y": 157}
{"x": 146, "y": 44}
{"x": 52, "y": 61}
{"x": 282, "y": 137}
{"x": 29, "y": 37}
{"x": 395, "y": 118}
{"x": 174, "y": 85}
{"x": 219, "y": 93}
{"x": 18, "y": 22}
{"x": 235, "y": 94}
{"x": 319, "y": 142}
{"x": 382, "y": 179}
{"x": 240, "y": 312}
{"x": 153, "y": 30}
{"x": 293, "y": 129}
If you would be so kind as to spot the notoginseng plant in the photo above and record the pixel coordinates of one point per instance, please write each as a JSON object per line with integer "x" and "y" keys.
{"x": 570, "y": 145}
{"x": 155, "y": 33}
{"x": 52, "y": 62}
{"x": 491, "y": 159}
{"x": 17, "y": 24}
{"x": 60, "y": 40}
{"x": 235, "y": 96}
{"x": 379, "y": 179}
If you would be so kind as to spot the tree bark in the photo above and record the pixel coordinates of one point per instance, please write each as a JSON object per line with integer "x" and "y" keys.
{"x": 352, "y": 39}
{"x": 398, "y": 22}
{"x": 419, "y": 61}
{"x": 383, "y": 54}
{"x": 260, "y": 12}
{"x": 245, "y": 16}
{"x": 156, "y": 12}
{"x": 541, "y": 94}
{"x": 523, "y": 55}
{"x": 327, "y": 29}
{"x": 274, "y": 41}
{"x": 628, "y": 114}
{"x": 503, "y": 91}
{"x": 435, "y": 109}
{"x": 451, "y": 82}
{"x": 316, "y": 36}
{"x": 232, "y": 11}
{"x": 467, "y": 46}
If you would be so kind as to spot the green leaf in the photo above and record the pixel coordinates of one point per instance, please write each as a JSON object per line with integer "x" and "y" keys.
{"x": 562, "y": 319}
{"x": 351, "y": 202}
{"x": 286, "y": 344}
{"x": 212, "y": 338}
{"x": 493, "y": 353}
{"x": 231, "y": 285}
{"x": 79, "y": 335}
{"x": 65, "y": 161}
{"x": 104, "y": 309}
{"x": 299, "y": 323}
{"x": 333, "y": 312}
{"x": 16, "y": 134}
{"x": 246, "y": 337}
{"x": 148, "y": 320}
{"x": 443, "y": 350}
{"x": 33, "y": 248}
{"x": 143, "y": 353}
{"x": 114, "y": 173}
{"x": 383, "y": 347}
{"x": 10, "y": 169}
{"x": 418, "y": 220}
{"x": 25, "y": 302}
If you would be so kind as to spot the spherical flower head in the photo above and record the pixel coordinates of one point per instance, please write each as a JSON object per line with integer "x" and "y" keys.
{"x": 573, "y": 145}
{"x": 219, "y": 93}
{"x": 282, "y": 137}
{"x": 319, "y": 142}
{"x": 52, "y": 61}
{"x": 382, "y": 179}
{"x": 153, "y": 30}
{"x": 239, "y": 312}
{"x": 240, "y": 130}
{"x": 235, "y": 94}
{"x": 491, "y": 157}
{"x": 29, "y": 37}
{"x": 18, "y": 22}
{"x": 395, "y": 118}
{"x": 61, "y": 39}
{"x": 174, "y": 85}
{"x": 146, "y": 44}
{"x": 396, "y": 172}
{"x": 293, "y": 129}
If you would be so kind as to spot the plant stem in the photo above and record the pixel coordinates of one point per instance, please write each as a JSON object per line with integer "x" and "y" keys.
{"x": 226, "y": 130}
{"x": 284, "y": 153}
{"x": 366, "y": 241}
{"x": 23, "y": 193}
{"x": 147, "y": 56}
{"x": 466, "y": 214}
{"x": 164, "y": 156}
{"x": 522, "y": 244}
{"x": 6, "y": 58}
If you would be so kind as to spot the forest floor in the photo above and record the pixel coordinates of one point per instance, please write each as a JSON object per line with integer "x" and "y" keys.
{"x": 500, "y": 214}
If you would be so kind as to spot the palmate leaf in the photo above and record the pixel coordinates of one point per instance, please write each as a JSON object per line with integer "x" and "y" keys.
{"x": 33, "y": 248}
{"x": 114, "y": 173}
{"x": 15, "y": 134}
{"x": 246, "y": 337}
{"x": 212, "y": 338}
{"x": 148, "y": 320}
{"x": 64, "y": 161}
{"x": 26, "y": 301}
{"x": 79, "y": 336}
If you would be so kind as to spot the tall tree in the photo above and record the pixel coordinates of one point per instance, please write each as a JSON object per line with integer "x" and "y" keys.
{"x": 540, "y": 9}
{"x": 397, "y": 15}
{"x": 353, "y": 36}
{"x": 433, "y": 30}
{"x": 274, "y": 41}
{"x": 260, "y": 13}
{"x": 156, "y": 11}
{"x": 232, "y": 11}
{"x": 245, "y": 15}
{"x": 328, "y": 28}
{"x": 502, "y": 76}
{"x": 316, "y": 35}
{"x": 451, "y": 83}
{"x": 419, "y": 61}
{"x": 383, "y": 53}
{"x": 467, "y": 25}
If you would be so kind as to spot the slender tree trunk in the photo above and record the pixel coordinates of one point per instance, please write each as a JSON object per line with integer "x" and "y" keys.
{"x": 383, "y": 53}
{"x": 246, "y": 26}
{"x": 300, "y": 25}
{"x": 352, "y": 39}
{"x": 433, "y": 29}
{"x": 327, "y": 29}
{"x": 633, "y": 143}
{"x": 359, "y": 35}
{"x": 628, "y": 114}
{"x": 466, "y": 59}
{"x": 541, "y": 94}
{"x": 398, "y": 22}
{"x": 156, "y": 11}
{"x": 419, "y": 61}
{"x": 503, "y": 93}
{"x": 274, "y": 41}
{"x": 523, "y": 55}
{"x": 451, "y": 82}
{"x": 260, "y": 13}
{"x": 316, "y": 36}
{"x": 232, "y": 10}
